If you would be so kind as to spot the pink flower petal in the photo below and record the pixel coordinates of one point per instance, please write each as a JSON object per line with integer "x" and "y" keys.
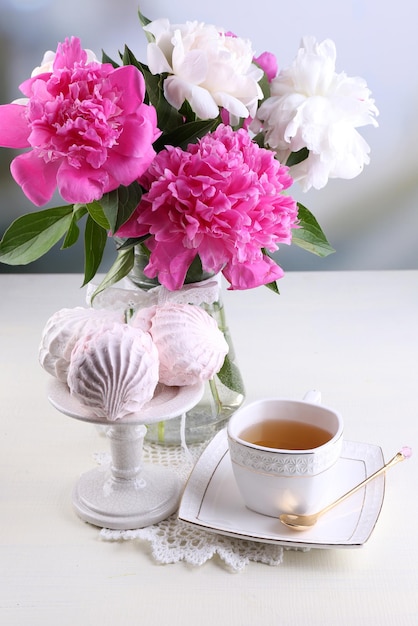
{"x": 14, "y": 129}
{"x": 69, "y": 53}
{"x": 170, "y": 264}
{"x": 222, "y": 200}
{"x": 87, "y": 125}
{"x": 79, "y": 189}
{"x": 250, "y": 275}
{"x": 268, "y": 63}
{"x": 131, "y": 228}
{"x": 37, "y": 179}
{"x": 130, "y": 84}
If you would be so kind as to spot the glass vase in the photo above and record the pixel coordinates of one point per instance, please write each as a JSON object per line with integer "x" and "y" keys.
{"x": 223, "y": 395}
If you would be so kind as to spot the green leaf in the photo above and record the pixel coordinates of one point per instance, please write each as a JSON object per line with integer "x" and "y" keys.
{"x": 72, "y": 235}
{"x": 259, "y": 140}
{"x": 117, "y": 206}
{"x": 95, "y": 239}
{"x": 120, "y": 268}
{"x": 185, "y": 134}
{"x": 168, "y": 116}
{"x": 144, "y": 21}
{"x": 128, "y": 58}
{"x": 33, "y": 235}
{"x": 109, "y": 209}
{"x": 230, "y": 376}
{"x": 273, "y": 286}
{"x": 128, "y": 200}
{"x": 195, "y": 273}
{"x": 297, "y": 157}
{"x": 96, "y": 212}
{"x": 153, "y": 82}
{"x": 73, "y": 232}
{"x": 309, "y": 235}
{"x": 125, "y": 244}
{"x": 107, "y": 59}
{"x": 264, "y": 84}
{"x": 187, "y": 113}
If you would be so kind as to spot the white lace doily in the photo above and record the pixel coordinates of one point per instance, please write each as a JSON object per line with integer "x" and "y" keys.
{"x": 173, "y": 540}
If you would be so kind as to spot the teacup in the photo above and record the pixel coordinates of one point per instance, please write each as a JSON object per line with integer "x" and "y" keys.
{"x": 283, "y": 453}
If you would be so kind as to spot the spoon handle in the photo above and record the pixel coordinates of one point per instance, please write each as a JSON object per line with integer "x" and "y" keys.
{"x": 399, "y": 456}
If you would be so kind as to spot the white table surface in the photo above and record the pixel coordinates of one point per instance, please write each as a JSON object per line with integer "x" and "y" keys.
{"x": 353, "y": 335}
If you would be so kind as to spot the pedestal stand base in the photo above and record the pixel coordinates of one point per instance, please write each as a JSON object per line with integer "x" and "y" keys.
{"x": 125, "y": 504}
{"x": 127, "y": 494}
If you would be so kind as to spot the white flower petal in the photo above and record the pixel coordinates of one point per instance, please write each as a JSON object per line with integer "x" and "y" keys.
{"x": 200, "y": 57}
{"x": 313, "y": 107}
{"x": 231, "y": 104}
{"x": 157, "y": 62}
{"x": 193, "y": 68}
{"x": 177, "y": 91}
{"x": 158, "y": 28}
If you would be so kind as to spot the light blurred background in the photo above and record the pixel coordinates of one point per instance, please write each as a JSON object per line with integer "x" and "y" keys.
{"x": 372, "y": 221}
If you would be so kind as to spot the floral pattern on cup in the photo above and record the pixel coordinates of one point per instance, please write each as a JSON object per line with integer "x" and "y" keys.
{"x": 293, "y": 465}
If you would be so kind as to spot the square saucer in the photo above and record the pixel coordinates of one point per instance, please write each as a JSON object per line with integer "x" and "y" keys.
{"x": 211, "y": 501}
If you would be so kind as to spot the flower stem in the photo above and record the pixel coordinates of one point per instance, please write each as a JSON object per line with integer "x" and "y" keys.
{"x": 161, "y": 431}
{"x": 215, "y": 395}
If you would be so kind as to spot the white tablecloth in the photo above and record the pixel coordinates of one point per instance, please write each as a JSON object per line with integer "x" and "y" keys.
{"x": 352, "y": 335}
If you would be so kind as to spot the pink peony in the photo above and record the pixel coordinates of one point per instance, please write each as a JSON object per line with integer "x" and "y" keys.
{"x": 223, "y": 200}
{"x": 87, "y": 125}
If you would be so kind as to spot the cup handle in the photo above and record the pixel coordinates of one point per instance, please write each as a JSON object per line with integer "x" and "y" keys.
{"x": 313, "y": 396}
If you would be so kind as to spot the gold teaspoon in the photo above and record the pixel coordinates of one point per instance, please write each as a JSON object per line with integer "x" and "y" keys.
{"x": 304, "y": 522}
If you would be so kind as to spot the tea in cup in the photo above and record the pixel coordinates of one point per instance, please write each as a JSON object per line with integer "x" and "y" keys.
{"x": 283, "y": 453}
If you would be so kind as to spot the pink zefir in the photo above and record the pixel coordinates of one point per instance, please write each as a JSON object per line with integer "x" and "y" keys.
{"x": 222, "y": 199}
{"x": 86, "y": 124}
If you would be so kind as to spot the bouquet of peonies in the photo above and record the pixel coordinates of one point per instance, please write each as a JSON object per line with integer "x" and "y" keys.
{"x": 190, "y": 156}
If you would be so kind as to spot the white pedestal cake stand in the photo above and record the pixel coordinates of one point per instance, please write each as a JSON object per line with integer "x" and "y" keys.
{"x": 127, "y": 494}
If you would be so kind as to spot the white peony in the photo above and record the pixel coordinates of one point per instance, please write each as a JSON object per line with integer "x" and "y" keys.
{"x": 207, "y": 67}
{"x": 313, "y": 107}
